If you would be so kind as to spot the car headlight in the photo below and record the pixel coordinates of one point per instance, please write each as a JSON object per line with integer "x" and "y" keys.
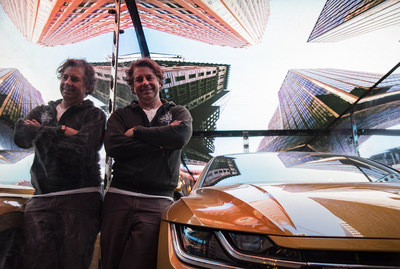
{"x": 251, "y": 243}
{"x": 201, "y": 243}
{"x": 211, "y": 248}
{"x": 196, "y": 241}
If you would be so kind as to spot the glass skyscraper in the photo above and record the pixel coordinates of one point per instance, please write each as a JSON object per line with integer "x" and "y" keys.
{"x": 17, "y": 98}
{"x": 233, "y": 23}
{"x": 320, "y": 98}
{"x": 340, "y": 19}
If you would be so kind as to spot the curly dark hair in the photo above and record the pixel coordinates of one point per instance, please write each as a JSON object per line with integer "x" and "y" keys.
{"x": 89, "y": 76}
{"x": 158, "y": 72}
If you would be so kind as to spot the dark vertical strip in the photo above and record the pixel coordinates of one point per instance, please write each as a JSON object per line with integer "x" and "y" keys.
{"x": 133, "y": 11}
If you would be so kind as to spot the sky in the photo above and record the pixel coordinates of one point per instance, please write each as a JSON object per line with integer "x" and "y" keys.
{"x": 257, "y": 72}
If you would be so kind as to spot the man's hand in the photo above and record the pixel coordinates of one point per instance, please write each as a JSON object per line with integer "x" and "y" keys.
{"x": 70, "y": 131}
{"x": 130, "y": 133}
{"x": 175, "y": 122}
{"x": 32, "y": 122}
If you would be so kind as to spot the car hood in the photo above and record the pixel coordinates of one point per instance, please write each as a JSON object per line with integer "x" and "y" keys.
{"x": 13, "y": 198}
{"x": 370, "y": 210}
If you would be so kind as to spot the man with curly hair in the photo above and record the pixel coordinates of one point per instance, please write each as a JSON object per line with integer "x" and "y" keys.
{"x": 145, "y": 139}
{"x": 62, "y": 220}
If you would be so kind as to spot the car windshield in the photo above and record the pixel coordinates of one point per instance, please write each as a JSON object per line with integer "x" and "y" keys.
{"x": 289, "y": 167}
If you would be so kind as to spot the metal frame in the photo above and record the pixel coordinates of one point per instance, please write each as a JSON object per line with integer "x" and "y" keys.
{"x": 113, "y": 82}
{"x": 133, "y": 11}
{"x": 298, "y": 132}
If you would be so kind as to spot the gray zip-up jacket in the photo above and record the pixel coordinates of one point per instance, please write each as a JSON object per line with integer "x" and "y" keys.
{"x": 63, "y": 162}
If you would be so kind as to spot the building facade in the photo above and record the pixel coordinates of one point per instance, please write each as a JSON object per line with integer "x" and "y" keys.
{"x": 340, "y": 20}
{"x": 390, "y": 157}
{"x": 17, "y": 98}
{"x": 233, "y": 23}
{"x": 320, "y": 98}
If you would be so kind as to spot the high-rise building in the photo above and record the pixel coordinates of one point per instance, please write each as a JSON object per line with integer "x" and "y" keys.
{"x": 340, "y": 20}
{"x": 319, "y": 98}
{"x": 197, "y": 86}
{"x": 390, "y": 157}
{"x": 233, "y": 23}
{"x": 205, "y": 117}
{"x": 17, "y": 98}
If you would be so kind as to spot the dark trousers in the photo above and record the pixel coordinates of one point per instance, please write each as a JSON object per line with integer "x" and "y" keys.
{"x": 129, "y": 231}
{"x": 60, "y": 231}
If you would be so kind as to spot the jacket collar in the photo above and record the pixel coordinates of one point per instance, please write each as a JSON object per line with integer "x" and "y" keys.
{"x": 84, "y": 104}
{"x": 165, "y": 103}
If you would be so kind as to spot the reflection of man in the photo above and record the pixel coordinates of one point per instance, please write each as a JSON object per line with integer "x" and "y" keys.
{"x": 61, "y": 221}
{"x": 145, "y": 139}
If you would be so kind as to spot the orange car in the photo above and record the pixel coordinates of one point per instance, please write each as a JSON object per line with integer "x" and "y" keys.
{"x": 286, "y": 210}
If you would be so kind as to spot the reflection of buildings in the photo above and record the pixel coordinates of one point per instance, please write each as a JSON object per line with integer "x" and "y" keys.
{"x": 354, "y": 212}
{"x": 233, "y": 23}
{"x": 194, "y": 85}
{"x": 298, "y": 159}
{"x": 205, "y": 117}
{"x": 17, "y": 98}
{"x": 390, "y": 157}
{"x": 222, "y": 167}
{"x": 340, "y": 20}
{"x": 316, "y": 161}
{"x": 315, "y": 98}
